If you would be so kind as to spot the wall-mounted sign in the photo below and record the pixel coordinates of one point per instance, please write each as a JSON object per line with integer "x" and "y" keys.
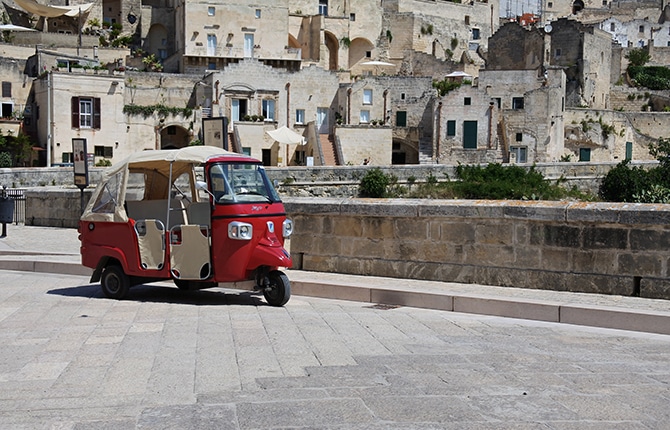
{"x": 80, "y": 162}
{"x": 215, "y": 132}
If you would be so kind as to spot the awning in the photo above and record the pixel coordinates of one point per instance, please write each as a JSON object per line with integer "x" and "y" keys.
{"x": 53, "y": 11}
{"x": 285, "y": 135}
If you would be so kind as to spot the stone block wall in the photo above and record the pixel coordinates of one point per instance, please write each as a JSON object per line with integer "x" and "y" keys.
{"x": 606, "y": 248}
{"x": 55, "y": 207}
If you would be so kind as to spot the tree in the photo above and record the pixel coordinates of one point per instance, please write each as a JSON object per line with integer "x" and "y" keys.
{"x": 638, "y": 57}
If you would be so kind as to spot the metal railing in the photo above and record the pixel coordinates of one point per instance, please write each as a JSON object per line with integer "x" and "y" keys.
{"x": 19, "y": 197}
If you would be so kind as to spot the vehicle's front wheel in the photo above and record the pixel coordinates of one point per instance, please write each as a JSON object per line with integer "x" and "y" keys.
{"x": 278, "y": 291}
{"x": 114, "y": 282}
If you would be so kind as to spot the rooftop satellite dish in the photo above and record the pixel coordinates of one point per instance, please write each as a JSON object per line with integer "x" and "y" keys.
{"x": 548, "y": 28}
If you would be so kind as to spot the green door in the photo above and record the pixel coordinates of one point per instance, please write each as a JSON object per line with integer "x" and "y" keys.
{"x": 629, "y": 150}
{"x": 470, "y": 134}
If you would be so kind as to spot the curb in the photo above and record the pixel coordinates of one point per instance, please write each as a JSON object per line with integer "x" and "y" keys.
{"x": 302, "y": 284}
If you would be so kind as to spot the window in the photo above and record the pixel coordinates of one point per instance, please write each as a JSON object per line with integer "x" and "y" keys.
{"x": 475, "y": 34}
{"x": 269, "y": 110}
{"x": 584, "y": 154}
{"x": 368, "y": 54}
{"x": 467, "y": 19}
{"x": 518, "y": 154}
{"x": 67, "y": 157}
{"x": 162, "y": 54}
{"x": 367, "y": 97}
{"x": 470, "y": 134}
{"x": 300, "y": 116}
{"x": 352, "y": 17}
{"x": 211, "y": 10}
{"x": 558, "y": 52}
{"x": 211, "y": 44}
{"x": 604, "y": 2}
{"x": 402, "y": 96}
{"x": 497, "y": 101}
{"x": 6, "y": 89}
{"x": 248, "y": 45}
{"x": 103, "y": 151}
{"x": 238, "y": 109}
{"x": 517, "y": 102}
{"x": 612, "y": 26}
{"x": 641, "y": 29}
{"x": 258, "y": 13}
{"x": 467, "y": 101}
{"x": 86, "y": 112}
{"x": 519, "y": 137}
{"x": 365, "y": 117}
{"x": 629, "y": 150}
{"x": 550, "y": 5}
{"x": 323, "y": 7}
{"x": 401, "y": 118}
{"x": 7, "y": 110}
{"x": 451, "y": 128}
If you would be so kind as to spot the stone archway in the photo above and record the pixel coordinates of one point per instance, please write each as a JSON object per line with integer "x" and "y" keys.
{"x": 174, "y": 136}
{"x": 153, "y": 43}
{"x": 577, "y": 6}
{"x": 404, "y": 152}
{"x": 333, "y": 47}
{"x": 360, "y": 50}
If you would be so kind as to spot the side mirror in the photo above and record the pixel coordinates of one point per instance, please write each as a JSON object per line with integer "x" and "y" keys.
{"x": 202, "y": 186}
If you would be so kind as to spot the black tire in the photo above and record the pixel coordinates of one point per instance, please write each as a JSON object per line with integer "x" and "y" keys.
{"x": 114, "y": 282}
{"x": 183, "y": 284}
{"x": 279, "y": 290}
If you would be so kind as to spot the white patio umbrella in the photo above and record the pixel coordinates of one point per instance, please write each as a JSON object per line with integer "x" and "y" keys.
{"x": 377, "y": 63}
{"x": 285, "y": 135}
{"x": 12, "y": 27}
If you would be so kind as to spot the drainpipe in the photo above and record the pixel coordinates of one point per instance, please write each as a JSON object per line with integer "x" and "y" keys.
{"x": 386, "y": 93}
{"x": 490, "y": 142}
{"x": 436, "y": 156}
{"x": 348, "y": 120}
{"x": 288, "y": 104}
{"x": 49, "y": 122}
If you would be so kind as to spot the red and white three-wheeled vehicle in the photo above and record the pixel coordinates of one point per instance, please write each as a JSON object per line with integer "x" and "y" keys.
{"x": 197, "y": 215}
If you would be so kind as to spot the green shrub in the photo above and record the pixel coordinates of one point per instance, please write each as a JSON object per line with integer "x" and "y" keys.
{"x": 5, "y": 159}
{"x": 623, "y": 182}
{"x": 499, "y": 182}
{"x": 655, "y": 194}
{"x": 374, "y": 183}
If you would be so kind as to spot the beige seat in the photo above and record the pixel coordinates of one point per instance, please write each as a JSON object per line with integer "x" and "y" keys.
{"x": 189, "y": 257}
{"x": 151, "y": 243}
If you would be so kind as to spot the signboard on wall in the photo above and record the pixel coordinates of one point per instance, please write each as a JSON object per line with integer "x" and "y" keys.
{"x": 215, "y": 132}
{"x": 80, "y": 158}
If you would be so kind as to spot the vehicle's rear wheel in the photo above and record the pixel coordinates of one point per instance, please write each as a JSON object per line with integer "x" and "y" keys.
{"x": 278, "y": 291}
{"x": 182, "y": 284}
{"x": 114, "y": 282}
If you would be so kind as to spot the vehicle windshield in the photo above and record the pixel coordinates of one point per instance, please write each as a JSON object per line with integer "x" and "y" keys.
{"x": 241, "y": 183}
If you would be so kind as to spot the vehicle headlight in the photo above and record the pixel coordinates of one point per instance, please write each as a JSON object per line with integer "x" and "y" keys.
{"x": 240, "y": 230}
{"x": 287, "y": 228}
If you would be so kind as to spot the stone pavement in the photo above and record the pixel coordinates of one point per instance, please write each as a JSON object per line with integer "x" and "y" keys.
{"x": 221, "y": 359}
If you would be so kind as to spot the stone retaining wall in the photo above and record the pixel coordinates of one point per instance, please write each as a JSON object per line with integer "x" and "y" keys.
{"x": 587, "y": 247}
{"x": 330, "y": 181}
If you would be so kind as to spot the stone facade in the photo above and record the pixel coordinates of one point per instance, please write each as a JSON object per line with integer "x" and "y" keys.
{"x": 582, "y": 247}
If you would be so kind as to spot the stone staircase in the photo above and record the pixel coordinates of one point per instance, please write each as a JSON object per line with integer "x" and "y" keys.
{"x": 426, "y": 151}
{"x": 329, "y": 152}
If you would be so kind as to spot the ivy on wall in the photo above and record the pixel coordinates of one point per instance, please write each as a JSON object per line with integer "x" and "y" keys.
{"x": 160, "y": 109}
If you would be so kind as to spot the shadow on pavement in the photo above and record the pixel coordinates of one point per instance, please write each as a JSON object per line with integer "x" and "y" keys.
{"x": 162, "y": 294}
